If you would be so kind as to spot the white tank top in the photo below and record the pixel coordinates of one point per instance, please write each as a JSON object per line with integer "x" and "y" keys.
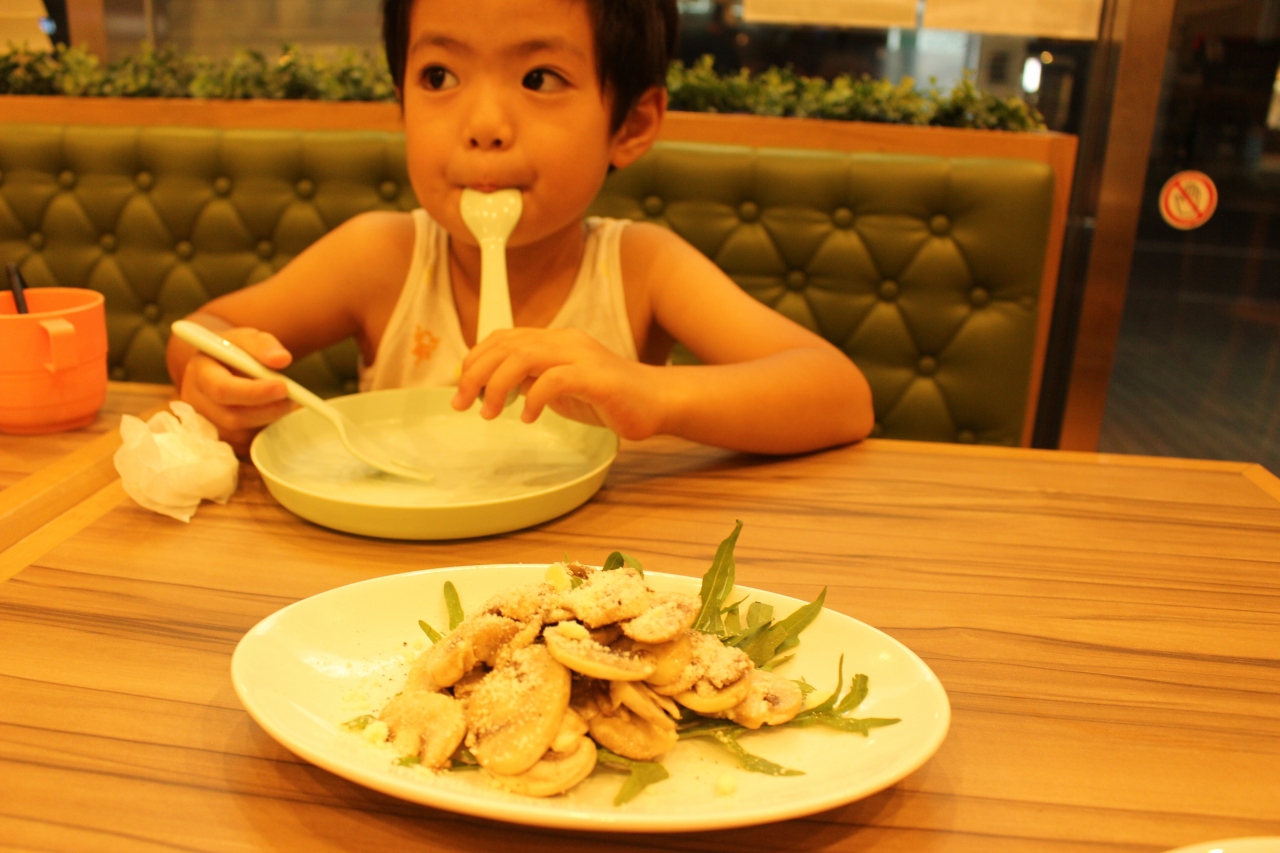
{"x": 423, "y": 345}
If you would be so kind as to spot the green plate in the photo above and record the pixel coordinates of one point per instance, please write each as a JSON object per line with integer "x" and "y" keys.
{"x": 490, "y": 476}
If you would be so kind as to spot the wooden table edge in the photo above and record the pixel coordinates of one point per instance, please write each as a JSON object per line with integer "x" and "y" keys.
{"x": 58, "y": 487}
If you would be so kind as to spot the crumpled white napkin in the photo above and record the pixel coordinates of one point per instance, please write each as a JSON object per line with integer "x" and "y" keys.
{"x": 170, "y": 464}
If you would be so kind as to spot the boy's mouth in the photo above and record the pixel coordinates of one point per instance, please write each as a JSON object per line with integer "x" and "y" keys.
{"x": 490, "y": 187}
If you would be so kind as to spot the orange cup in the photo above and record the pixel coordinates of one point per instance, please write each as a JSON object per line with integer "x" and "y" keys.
{"x": 53, "y": 361}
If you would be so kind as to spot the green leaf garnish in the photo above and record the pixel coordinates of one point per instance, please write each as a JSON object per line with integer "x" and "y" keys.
{"x": 759, "y": 614}
{"x": 453, "y": 604}
{"x": 408, "y": 761}
{"x": 832, "y": 711}
{"x": 641, "y": 774}
{"x": 358, "y": 724}
{"x": 751, "y": 762}
{"x": 717, "y": 583}
{"x": 432, "y": 634}
{"x": 805, "y": 687}
{"x": 463, "y": 760}
{"x": 617, "y": 560}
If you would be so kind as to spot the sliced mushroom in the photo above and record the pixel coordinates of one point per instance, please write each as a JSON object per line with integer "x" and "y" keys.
{"x": 669, "y": 659}
{"x": 669, "y": 617}
{"x": 606, "y": 634}
{"x": 514, "y": 713}
{"x": 428, "y": 725}
{"x": 609, "y": 597}
{"x": 711, "y": 661}
{"x": 523, "y": 603}
{"x": 708, "y": 699}
{"x": 631, "y": 736}
{"x": 570, "y": 644}
{"x": 478, "y": 639}
{"x": 572, "y": 727}
{"x": 644, "y": 703}
{"x": 771, "y": 700}
{"x": 554, "y": 773}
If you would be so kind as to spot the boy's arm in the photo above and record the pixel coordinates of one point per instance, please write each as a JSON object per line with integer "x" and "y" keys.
{"x": 766, "y": 384}
{"x": 338, "y": 287}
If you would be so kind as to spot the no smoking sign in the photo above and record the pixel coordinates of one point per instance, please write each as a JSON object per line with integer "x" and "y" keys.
{"x": 1188, "y": 200}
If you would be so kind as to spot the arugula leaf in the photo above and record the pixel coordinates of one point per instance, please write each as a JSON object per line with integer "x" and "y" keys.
{"x": 640, "y": 774}
{"x": 833, "y": 710}
{"x": 800, "y": 619}
{"x": 805, "y": 687}
{"x": 617, "y": 560}
{"x": 857, "y": 692}
{"x": 764, "y": 645}
{"x": 732, "y": 622}
{"x": 432, "y": 634}
{"x": 358, "y": 724}
{"x": 717, "y": 583}
{"x": 408, "y": 761}
{"x": 777, "y": 662}
{"x": 453, "y": 605}
{"x": 759, "y": 614}
{"x": 753, "y": 763}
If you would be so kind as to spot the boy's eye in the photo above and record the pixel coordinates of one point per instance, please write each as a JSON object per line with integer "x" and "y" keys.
{"x": 543, "y": 80}
{"x": 437, "y": 78}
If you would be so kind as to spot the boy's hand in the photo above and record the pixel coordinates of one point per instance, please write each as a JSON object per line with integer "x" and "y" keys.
{"x": 237, "y": 405}
{"x": 567, "y": 370}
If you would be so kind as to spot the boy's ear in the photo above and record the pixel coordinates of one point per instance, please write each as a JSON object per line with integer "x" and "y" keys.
{"x": 640, "y": 130}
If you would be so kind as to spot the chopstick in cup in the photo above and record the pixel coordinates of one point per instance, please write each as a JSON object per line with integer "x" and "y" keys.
{"x": 18, "y": 285}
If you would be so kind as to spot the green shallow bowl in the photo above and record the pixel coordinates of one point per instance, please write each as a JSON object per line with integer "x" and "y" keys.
{"x": 491, "y": 476}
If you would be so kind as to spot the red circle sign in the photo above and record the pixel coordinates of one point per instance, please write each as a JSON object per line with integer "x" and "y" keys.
{"x": 1188, "y": 200}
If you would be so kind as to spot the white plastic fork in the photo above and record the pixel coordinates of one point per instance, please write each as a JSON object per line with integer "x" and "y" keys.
{"x": 360, "y": 445}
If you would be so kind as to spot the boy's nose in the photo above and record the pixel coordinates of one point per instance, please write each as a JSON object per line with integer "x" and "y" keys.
{"x": 489, "y": 128}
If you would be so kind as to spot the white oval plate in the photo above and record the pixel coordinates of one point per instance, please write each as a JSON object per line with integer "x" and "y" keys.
{"x": 1258, "y": 844}
{"x": 311, "y": 666}
{"x": 490, "y": 476}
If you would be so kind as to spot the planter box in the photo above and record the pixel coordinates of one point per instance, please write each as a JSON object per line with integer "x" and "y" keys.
{"x": 1055, "y": 149}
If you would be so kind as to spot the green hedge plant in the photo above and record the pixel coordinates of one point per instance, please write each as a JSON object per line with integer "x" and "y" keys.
{"x": 363, "y": 76}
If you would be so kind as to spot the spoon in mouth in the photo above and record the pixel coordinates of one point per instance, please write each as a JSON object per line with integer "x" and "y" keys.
{"x": 492, "y": 217}
{"x": 361, "y": 446}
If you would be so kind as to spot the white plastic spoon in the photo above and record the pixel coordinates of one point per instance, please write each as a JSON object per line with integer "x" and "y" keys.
{"x": 362, "y": 447}
{"x": 492, "y": 217}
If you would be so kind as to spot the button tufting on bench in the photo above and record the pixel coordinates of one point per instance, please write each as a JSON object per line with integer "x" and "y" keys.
{"x": 222, "y": 185}
{"x": 119, "y": 374}
{"x": 266, "y": 249}
{"x": 653, "y": 205}
{"x": 877, "y": 430}
{"x": 67, "y": 179}
{"x": 184, "y": 250}
{"x": 796, "y": 279}
{"x": 966, "y": 436}
{"x": 888, "y": 290}
{"x": 940, "y": 225}
{"x": 151, "y": 312}
{"x": 1027, "y": 302}
{"x": 979, "y": 296}
{"x": 389, "y": 190}
{"x": 843, "y": 217}
{"x": 350, "y": 386}
{"x": 928, "y": 365}
{"x": 144, "y": 180}
{"x": 107, "y": 242}
{"x": 36, "y": 240}
{"x": 748, "y": 211}
{"x": 305, "y": 188}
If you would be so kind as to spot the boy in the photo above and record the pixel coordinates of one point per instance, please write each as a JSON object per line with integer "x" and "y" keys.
{"x": 546, "y": 96}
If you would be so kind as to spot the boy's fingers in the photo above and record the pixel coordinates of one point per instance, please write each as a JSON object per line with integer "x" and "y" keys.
{"x": 263, "y": 346}
{"x": 224, "y": 388}
{"x": 237, "y": 419}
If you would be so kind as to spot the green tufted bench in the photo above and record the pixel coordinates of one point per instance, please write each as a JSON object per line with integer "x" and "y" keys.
{"x": 926, "y": 271}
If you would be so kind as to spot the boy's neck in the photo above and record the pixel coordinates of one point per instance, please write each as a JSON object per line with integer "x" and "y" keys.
{"x": 540, "y": 277}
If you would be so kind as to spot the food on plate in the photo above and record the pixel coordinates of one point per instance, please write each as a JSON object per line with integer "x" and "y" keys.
{"x": 592, "y": 666}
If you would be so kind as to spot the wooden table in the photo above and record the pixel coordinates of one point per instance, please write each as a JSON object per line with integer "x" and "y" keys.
{"x": 1106, "y": 628}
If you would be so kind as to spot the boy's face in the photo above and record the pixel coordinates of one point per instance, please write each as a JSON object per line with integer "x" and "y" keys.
{"x": 505, "y": 93}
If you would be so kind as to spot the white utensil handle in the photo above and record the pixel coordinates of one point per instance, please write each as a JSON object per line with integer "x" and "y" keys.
{"x": 495, "y": 298}
{"x": 214, "y": 345}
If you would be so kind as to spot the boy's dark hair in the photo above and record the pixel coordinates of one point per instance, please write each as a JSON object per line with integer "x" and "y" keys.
{"x": 635, "y": 42}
